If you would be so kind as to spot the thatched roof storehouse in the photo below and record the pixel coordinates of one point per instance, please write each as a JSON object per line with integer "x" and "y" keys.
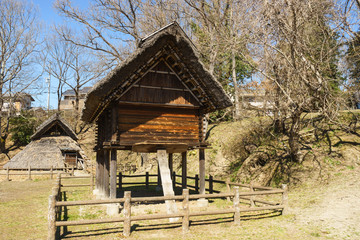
{"x": 165, "y": 72}
{"x": 155, "y": 101}
{"x": 53, "y": 145}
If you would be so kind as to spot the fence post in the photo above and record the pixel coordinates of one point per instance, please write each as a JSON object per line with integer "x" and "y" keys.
{"x": 29, "y": 173}
{"x": 127, "y": 214}
{"x": 228, "y": 188}
{"x": 236, "y": 206}
{"x": 51, "y": 172}
{"x": 197, "y": 183}
{"x": 51, "y": 218}
{"x": 211, "y": 184}
{"x": 185, "y": 222}
{"x": 58, "y": 180}
{"x": 252, "y": 198}
{"x": 7, "y": 174}
{"x": 120, "y": 180}
{"x": 147, "y": 180}
{"x": 174, "y": 179}
{"x": 284, "y": 199}
{"x": 72, "y": 171}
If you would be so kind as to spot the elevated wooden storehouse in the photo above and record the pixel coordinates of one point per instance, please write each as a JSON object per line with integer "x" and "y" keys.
{"x": 54, "y": 144}
{"x": 154, "y": 101}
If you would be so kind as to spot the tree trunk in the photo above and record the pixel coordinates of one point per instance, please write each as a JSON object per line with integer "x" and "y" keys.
{"x": 294, "y": 136}
{"x": 236, "y": 88}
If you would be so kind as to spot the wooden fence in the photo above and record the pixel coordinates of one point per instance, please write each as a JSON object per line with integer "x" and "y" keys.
{"x": 211, "y": 181}
{"x": 34, "y": 172}
{"x": 56, "y": 206}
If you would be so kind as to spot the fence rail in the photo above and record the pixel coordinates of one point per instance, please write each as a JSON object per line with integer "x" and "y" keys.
{"x": 31, "y": 172}
{"x": 174, "y": 176}
{"x": 56, "y": 205}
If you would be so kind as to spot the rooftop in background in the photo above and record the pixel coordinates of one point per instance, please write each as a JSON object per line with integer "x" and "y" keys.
{"x": 71, "y": 92}
{"x": 68, "y": 103}
{"x": 16, "y": 102}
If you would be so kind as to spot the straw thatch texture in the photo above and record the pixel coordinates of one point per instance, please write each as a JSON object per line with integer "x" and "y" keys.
{"x": 44, "y": 153}
{"x": 172, "y": 34}
{"x": 55, "y": 119}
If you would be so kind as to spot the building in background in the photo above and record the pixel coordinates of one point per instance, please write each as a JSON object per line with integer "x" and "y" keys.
{"x": 68, "y": 103}
{"x": 17, "y": 102}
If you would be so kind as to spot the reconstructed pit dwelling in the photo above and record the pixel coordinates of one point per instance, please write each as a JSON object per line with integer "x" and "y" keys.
{"x": 53, "y": 145}
{"x": 154, "y": 101}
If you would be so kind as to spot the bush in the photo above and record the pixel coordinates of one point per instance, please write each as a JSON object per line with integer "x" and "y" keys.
{"x": 21, "y": 129}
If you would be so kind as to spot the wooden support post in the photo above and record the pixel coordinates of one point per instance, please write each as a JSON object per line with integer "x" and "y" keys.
{"x": 127, "y": 214}
{"x": 106, "y": 182}
{"x": 113, "y": 170}
{"x": 51, "y": 218}
{"x": 284, "y": 199}
{"x": 237, "y": 206}
{"x": 196, "y": 183}
{"x": 99, "y": 171}
{"x": 158, "y": 178}
{"x": 51, "y": 172}
{"x": 171, "y": 162}
{"x": 228, "y": 188}
{"x": 186, "y": 210}
{"x": 211, "y": 184}
{"x": 29, "y": 173}
{"x": 202, "y": 170}
{"x": 7, "y": 174}
{"x": 166, "y": 181}
{"x": 147, "y": 180}
{"x": 183, "y": 170}
{"x": 72, "y": 171}
{"x": 120, "y": 180}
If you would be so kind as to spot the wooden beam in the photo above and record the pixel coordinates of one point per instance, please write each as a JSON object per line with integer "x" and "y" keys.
{"x": 202, "y": 170}
{"x": 184, "y": 169}
{"x": 113, "y": 170}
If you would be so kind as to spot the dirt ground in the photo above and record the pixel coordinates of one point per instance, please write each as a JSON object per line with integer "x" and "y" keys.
{"x": 333, "y": 209}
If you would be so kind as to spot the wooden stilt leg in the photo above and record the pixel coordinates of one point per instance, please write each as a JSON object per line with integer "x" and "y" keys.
{"x": 106, "y": 173}
{"x": 113, "y": 170}
{"x": 184, "y": 170}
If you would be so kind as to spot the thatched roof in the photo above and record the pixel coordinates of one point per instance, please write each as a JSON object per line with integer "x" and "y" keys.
{"x": 55, "y": 119}
{"x": 44, "y": 153}
{"x": 172, "y": 37}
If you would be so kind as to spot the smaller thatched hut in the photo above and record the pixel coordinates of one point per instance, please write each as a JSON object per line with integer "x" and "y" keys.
{"x": 54, "y": 144}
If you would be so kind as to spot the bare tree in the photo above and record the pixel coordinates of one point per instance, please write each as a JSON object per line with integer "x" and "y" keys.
{"x": 110, "y": 28}
{"x": 301, "y": 52}
{"x": 56, "y": 60}
{"x": 18, "y": 42}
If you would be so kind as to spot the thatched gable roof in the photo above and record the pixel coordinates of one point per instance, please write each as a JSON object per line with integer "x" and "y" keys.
{"x": 55, "y": 119}
{"x": 44, "y": 153}
{"x": 170, "y": 37}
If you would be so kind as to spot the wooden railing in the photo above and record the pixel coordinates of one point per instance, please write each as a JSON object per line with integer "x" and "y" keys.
{"x": 211, "y": 181}
{"x": 56, "y": 205}
{"x": 35, "y": 172}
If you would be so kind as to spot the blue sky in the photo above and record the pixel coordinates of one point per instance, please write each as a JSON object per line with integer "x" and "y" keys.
{"x": 48, "y": 16}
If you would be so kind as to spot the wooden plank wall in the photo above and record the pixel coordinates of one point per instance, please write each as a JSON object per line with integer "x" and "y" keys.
{"x": 158, "y": 124}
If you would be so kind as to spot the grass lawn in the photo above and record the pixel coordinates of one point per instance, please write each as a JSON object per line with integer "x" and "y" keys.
{"x": 24, "y": 206}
